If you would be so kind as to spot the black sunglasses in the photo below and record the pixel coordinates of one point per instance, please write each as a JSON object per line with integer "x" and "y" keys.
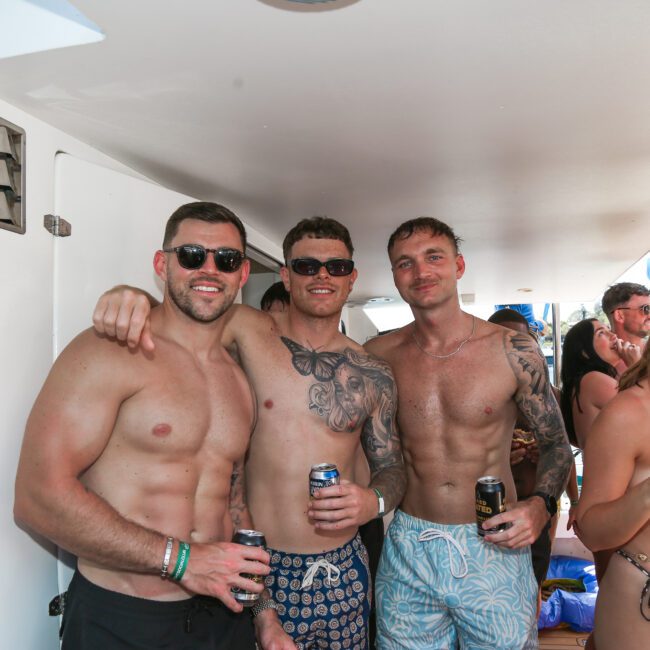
{"x": 311, "y": 266}
{"x": 644, "y": 309}
{"x": 193, "y": 256}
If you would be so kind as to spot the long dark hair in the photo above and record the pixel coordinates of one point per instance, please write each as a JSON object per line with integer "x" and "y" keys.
{"x": 578, "y": 358}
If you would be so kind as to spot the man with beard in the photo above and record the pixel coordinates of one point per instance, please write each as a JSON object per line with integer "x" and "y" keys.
{"x": 320, "y": 395}
{"x": 128, "y": 458}
{"x": 627, "y": 306}
{"x": 461, "y": 381}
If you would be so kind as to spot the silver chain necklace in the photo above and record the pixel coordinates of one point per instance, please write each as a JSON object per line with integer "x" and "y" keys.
{"x": 444, "y": 356}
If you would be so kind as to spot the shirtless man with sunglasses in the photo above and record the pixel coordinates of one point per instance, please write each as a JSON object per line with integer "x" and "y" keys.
{"x": 627, "y": 306}
{"x": 128, "y": 458}
{"x": 319, "y": 396}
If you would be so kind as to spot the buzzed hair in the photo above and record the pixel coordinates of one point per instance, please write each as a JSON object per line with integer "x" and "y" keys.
{"x": 317, "y": 228}
{"x": 434, "y": 226}
{"x": 202, "y": 211}
{"x": 619, "y": 294}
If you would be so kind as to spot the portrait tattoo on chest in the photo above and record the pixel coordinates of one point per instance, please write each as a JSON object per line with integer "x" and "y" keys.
{"x": 349, "y": 385}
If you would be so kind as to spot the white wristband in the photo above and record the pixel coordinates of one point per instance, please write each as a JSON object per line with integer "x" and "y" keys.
{"x": 380, "y": 499}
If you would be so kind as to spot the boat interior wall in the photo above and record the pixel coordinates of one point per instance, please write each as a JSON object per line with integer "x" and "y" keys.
{"x": 26, "y": 351}
{"x": 49, "y": 287}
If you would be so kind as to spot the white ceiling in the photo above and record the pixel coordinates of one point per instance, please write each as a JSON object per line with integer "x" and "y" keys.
{"x": 525, "y": 124}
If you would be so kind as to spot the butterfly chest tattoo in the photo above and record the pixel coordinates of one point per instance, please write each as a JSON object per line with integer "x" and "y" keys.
{"x": 343, "y": 393}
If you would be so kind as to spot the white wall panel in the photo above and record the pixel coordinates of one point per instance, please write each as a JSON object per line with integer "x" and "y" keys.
{"x": 117, "y": 220}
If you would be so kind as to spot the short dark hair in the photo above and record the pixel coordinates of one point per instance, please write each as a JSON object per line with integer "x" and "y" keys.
{"x": 508, "y": 316}
{"x": 317, "y": 228}
{"x": 429, "y": 224}
{"x": 619, "y": 294}
{"x": 202, "y": 211}
{"x": 276, "y": 292}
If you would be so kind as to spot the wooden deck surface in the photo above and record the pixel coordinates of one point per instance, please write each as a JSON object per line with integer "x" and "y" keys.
{"x": 561, "y": 640}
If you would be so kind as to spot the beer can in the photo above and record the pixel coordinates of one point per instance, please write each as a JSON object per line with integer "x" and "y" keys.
{"x": 248, "y": 538}
{"x": 323, "y": 475}
{"x": 490, "y": 501}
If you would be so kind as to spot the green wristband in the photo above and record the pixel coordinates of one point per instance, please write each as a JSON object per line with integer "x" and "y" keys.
{"x": 181, "y": 561}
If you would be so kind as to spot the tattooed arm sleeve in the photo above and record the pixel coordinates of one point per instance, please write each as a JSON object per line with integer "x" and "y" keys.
{"x": 239, "y": 513}
{"x": 380, "y": 438}
{"x": 535, "y": 400}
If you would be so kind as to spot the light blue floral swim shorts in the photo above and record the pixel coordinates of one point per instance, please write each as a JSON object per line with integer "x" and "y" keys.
{"x": 442, "y": 587}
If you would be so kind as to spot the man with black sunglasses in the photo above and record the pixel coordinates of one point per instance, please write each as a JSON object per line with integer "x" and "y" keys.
{"x": 320, "y": 396}
{"x": 627, "y": 305}
{"x": 131, "y": 457}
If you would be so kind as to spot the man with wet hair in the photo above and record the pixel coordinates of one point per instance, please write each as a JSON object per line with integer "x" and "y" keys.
{"x": 461, "y": 382}
{"x": 319, "y": 396}
{"x": 128, "y": 458}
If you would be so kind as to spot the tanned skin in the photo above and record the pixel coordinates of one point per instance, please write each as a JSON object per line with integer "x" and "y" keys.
{"x": 118, "y": 454}
{"x": 456, "y": 414}
{"x": 320, "y": 396}
{"x": 614, "y": 511}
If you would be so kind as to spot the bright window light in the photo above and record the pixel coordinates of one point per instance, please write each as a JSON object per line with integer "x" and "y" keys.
{"x": 389, "y": 317}
{"x": 37, "y": 25}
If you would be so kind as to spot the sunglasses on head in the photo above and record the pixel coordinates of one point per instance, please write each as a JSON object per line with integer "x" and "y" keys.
{"x": 193, "y": 256}
{"x": 311, "y": 266}
{"x": 644, "y": 309}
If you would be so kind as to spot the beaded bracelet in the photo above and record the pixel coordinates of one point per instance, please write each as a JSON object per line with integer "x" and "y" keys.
{"x": 168, "y": 556}
{"x": 181, "y": 561}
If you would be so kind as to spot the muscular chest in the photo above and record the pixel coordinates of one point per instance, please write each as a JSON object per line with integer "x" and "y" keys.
{"x": 187, "y": 410}
{"x": 467, "y": 392}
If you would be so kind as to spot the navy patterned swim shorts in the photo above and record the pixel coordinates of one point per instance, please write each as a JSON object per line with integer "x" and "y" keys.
{"x": 323, "y": 600}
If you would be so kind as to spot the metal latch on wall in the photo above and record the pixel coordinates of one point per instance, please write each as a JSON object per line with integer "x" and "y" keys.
{"x": 57, "y": 226}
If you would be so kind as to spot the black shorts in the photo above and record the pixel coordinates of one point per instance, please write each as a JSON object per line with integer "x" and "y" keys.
{"x": 97, "y": 619}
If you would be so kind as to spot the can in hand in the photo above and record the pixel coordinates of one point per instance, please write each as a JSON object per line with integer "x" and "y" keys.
{"x": 323, "y": 475}
{"x": 490, "y": 501}
{"x": 248, "y": 538}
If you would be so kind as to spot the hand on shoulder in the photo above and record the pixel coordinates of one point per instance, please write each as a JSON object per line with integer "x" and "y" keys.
{"x": 123, "y": 313}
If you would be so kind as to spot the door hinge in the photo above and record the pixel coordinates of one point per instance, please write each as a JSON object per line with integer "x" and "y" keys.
{"x": 57, "y": 226}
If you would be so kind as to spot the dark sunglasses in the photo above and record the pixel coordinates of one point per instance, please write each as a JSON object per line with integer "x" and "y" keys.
{"x": 193, "y": 256}
{"x": 644, "y": 309}
{"x": 311, "y": 266}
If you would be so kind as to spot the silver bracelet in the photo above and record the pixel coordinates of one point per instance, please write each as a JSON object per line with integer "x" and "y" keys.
{"x": 168, "y": 556}
{"x": 261, "y": 605}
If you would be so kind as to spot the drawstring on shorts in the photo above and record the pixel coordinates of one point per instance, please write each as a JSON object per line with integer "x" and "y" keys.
{"x": 434, "y": 533}
{"x": 308, "y": 580}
